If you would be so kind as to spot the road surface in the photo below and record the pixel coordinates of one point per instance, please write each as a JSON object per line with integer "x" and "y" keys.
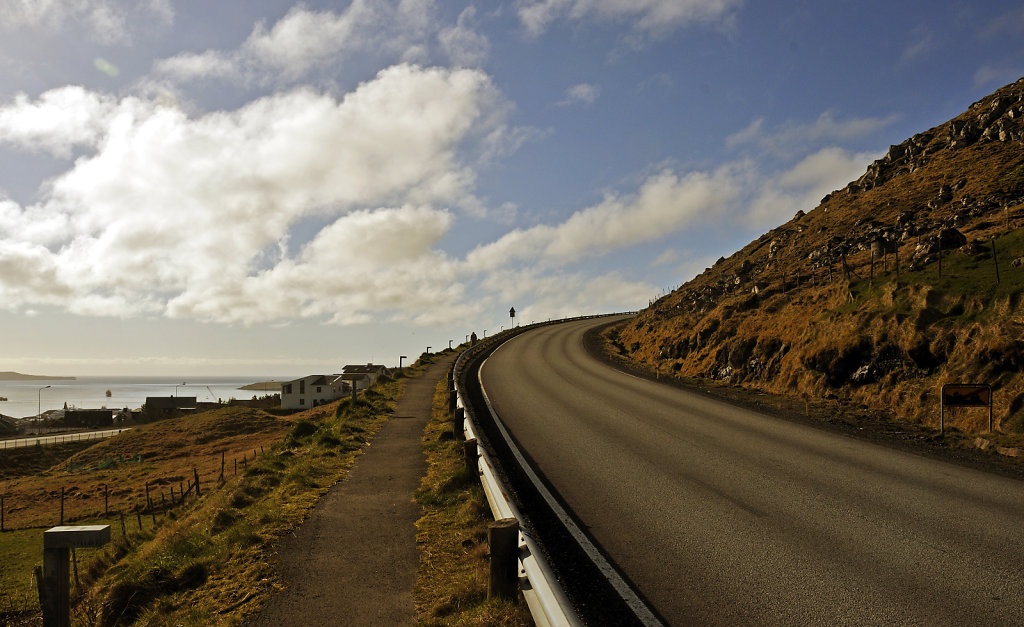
{"x": 721, "y": 515}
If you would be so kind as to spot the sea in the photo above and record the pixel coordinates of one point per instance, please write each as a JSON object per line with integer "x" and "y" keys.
{"x": 26, "y": 398}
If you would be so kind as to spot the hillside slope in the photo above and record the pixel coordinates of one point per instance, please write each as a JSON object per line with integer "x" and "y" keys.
{"x": 883, "y": 292}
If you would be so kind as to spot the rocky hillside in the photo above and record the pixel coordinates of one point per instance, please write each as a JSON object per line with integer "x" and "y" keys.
{"x": 910, "y": 277}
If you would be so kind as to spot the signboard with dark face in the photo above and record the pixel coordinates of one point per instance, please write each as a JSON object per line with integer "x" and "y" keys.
{"x": 512, "y": 312}
{"x": 966, "y": 395}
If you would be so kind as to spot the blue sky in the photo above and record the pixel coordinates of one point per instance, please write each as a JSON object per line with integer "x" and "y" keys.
{"x": 278, "y": 188}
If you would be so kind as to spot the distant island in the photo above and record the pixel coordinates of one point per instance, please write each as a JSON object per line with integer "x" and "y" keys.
{"x": 267, "y": 386}
{"x": 17, "y": 376}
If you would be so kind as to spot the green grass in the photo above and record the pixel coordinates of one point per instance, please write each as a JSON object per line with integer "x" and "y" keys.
{"x": 962, "y": 276}
{"x": 22, "y": 551}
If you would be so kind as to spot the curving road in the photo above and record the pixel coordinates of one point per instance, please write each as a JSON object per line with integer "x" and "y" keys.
{"x": 721, "y": 515}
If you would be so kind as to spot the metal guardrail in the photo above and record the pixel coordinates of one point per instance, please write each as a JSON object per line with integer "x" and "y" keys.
{"x": 547, "y": 600}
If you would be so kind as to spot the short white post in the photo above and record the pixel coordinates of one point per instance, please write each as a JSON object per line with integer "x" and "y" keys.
{"x": 55, "y": 588}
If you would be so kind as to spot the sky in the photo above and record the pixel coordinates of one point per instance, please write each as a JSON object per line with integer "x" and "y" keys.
{"x": 278, "y": 188}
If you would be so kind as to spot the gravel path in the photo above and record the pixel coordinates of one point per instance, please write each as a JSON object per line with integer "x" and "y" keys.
{"x": 354, "y": 561}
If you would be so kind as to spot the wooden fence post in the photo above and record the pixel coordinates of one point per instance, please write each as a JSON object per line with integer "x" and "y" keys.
{"x": 459, "y": 423}
{"x": 196, "y": 473}
{"x": 470, "y": 452}
{"x": 503, "y": 539}
{"x": 995, "y": 258}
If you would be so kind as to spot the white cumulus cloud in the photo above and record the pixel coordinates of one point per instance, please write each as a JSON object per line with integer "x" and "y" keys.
{"x": 664, "y": 203}
{"x": 797, "y": 137}
{"x": 644, "y": 16}
{"x": 583, "y": 93}
{"x": 57, "y": 121}
{"x": 194, "y": 215}
{"x": 463, "y": 43}
{"x": 107, "y": 21}
{"x": 305, "y": 39}
{"x": 801, "y": 187}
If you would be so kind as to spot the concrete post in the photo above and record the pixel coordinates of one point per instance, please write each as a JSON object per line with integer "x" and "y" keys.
{"x": 503, "y": 539}
{"x": 55, "y": 588}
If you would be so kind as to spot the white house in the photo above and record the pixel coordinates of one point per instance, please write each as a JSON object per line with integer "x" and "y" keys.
{"x": 312, "y": 390}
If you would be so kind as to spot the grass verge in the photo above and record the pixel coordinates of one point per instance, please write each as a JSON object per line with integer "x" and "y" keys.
{"x": 451, "y": 586}
{"x": 211, "y": 561}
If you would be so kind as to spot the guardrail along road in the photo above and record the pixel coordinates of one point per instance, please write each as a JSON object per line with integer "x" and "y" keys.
{"x": 720, "y": 515}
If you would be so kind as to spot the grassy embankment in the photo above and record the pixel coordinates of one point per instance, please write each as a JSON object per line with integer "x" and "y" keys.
{"x": 451, "y": 587}
{"x": 209, "y": 561}
{"x": 925, "y": 330}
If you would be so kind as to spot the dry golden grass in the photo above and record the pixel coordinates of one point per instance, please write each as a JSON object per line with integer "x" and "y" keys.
{"x": 800, "y": 335}
{"x": 451, "y": 586}
{"x": 211, "y": 560}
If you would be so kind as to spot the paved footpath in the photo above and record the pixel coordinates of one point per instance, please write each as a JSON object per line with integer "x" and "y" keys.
{"x": 354, "y": 561}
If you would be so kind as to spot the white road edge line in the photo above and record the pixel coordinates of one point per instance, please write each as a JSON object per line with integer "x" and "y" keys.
{"x": 631, "y": 598}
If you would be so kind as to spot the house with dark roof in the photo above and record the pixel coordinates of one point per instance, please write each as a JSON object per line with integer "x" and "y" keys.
{"x": 366, "y": 374}
{"x": 158, "y": 407}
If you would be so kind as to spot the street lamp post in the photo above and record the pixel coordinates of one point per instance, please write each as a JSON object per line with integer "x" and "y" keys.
{"x": 178, "y": 386}
{"x": 39, "y": 403}
{"x": 400, "y": 358}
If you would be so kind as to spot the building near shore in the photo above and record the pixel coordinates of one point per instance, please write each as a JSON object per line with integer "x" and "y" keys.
{"x": 159, "y": 407}
{"x": 92, "y": 418}
{"x": 312, "y": 390}
{"x": 370, "y": 373}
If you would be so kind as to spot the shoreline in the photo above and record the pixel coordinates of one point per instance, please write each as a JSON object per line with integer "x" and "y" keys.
{"x": 10, "y": 375}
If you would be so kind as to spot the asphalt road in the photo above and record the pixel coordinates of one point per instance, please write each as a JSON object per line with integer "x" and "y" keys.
{"x": 721, "y": 515}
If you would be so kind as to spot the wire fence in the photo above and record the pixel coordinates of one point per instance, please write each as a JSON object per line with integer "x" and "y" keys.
{"x": 157, "y": 495}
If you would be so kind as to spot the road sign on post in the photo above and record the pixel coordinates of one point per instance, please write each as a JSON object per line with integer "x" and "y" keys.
{"x": 512, "y": 314}
{"x": 964, "y": 395}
